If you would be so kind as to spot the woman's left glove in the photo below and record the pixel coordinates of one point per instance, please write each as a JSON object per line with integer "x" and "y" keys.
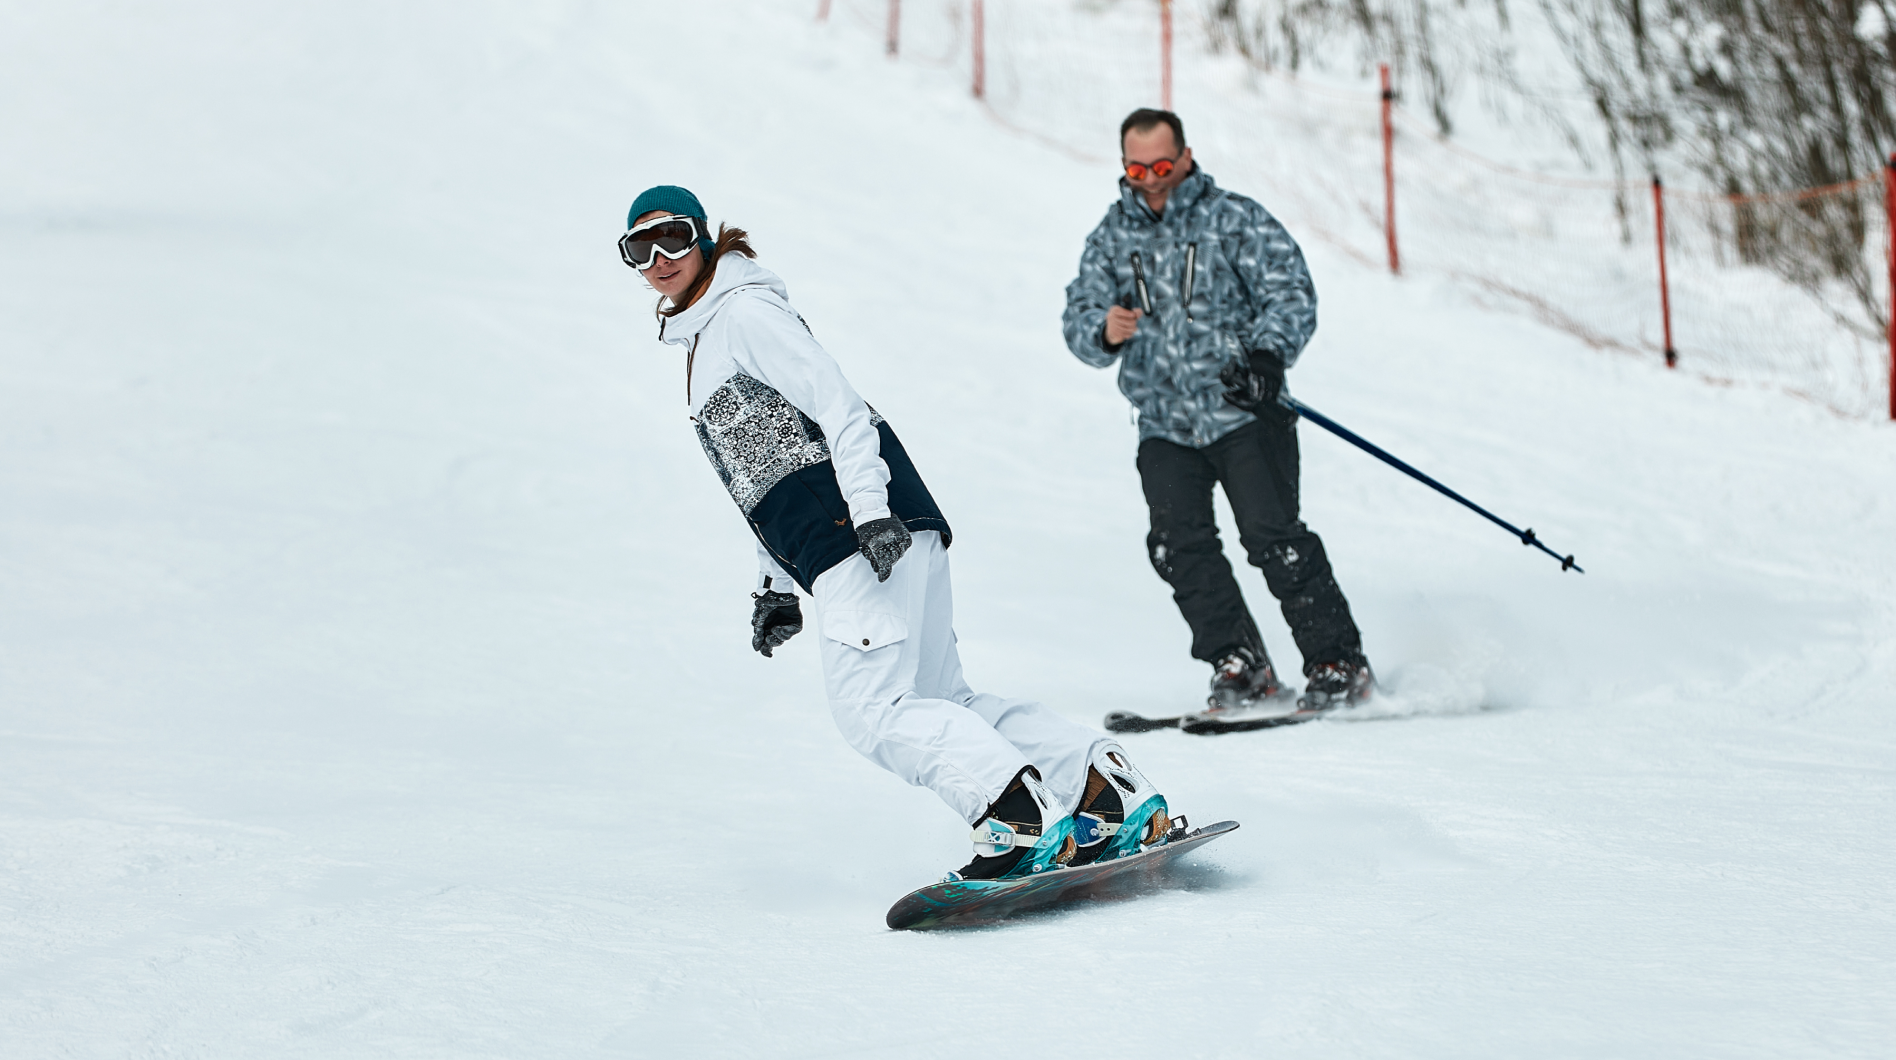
{"x": 1254, "y": 384}
{"x": 777, "y": 618}
{"x": 883, "y": 541}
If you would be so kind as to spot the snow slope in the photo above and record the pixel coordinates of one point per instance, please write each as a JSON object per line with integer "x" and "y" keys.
{"x": 374, "y": 673}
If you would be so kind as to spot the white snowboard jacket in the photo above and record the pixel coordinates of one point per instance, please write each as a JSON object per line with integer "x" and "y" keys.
{"x": 803, "y": 456}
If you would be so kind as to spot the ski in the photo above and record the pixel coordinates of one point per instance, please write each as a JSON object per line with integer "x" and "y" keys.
{"x": 1209, "y": 725}
{"x": 1275, "y": 707}
{"x": 966, "y": 903}
{"x": 1127, "y": 721}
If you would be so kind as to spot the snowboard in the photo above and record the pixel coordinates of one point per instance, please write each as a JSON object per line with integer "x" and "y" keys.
{"x": 966, "y": 903}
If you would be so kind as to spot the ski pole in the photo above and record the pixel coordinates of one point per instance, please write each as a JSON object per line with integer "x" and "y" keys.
{"x": 1526, "y": 536}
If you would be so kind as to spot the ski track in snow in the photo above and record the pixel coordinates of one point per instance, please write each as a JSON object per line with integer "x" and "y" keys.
{"x": 374, "y": 672}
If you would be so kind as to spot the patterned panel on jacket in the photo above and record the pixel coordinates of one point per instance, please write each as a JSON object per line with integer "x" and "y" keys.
{"x": 755, "y": 438}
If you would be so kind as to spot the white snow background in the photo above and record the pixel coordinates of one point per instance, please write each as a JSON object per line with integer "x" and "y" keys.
{"x": 374, "y": 662}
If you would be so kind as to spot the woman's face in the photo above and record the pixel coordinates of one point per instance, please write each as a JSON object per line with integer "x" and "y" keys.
{"x": 669, "y": 277}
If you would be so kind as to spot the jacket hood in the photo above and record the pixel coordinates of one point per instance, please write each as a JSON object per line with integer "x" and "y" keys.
{"x": 735, "y": 272}
{"x": 1189, "y": 190}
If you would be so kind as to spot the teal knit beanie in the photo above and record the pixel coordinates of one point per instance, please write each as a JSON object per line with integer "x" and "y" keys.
{"x": 674, "y": 200}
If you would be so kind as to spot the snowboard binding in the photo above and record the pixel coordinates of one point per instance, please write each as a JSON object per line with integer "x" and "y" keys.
{"x": 1021, "y": 834}
{"x": 1121, "y": 812}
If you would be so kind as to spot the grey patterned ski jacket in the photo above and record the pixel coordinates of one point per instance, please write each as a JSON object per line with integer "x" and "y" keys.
{"x": 1248, "y": 289}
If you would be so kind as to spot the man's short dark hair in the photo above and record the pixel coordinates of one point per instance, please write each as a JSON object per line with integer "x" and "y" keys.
{"x": 1146, "y": 118}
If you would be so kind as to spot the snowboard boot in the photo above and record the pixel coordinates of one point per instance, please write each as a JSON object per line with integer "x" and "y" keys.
{"x": 1242, "y": 678}
{"x": 1022, "y": 833}
{"x": 1120, "y": 813}
{"x": 1337, "y": 684}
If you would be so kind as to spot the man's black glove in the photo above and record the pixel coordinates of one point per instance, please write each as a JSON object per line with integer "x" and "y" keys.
{"x": 1253, "y": 385}
{"x": 883, "y": 541}
{"x": 777, "y": 618}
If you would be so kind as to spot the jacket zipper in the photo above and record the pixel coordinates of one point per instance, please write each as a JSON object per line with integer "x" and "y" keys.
{"x": 758, "y": 529}
{"x": 690, "y": 357}
{"x": 1191, "y": 273}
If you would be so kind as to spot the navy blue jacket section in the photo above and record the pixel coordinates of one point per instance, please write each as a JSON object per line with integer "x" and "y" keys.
{"x": 804, "y": 520}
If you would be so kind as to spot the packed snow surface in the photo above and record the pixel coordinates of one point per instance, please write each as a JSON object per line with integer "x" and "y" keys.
{"x": 374, "y": 662}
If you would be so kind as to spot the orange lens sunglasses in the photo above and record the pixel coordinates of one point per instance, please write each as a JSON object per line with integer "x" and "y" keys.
{"x": 1161, "y": 169}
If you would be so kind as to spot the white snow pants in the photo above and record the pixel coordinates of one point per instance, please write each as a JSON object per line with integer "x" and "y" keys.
{"x": 896, "y": 690}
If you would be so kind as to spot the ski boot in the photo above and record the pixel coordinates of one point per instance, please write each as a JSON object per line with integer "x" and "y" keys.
{"x": 1337, "y": 684}
{"x": 1021, "y": 834}
{"x": 1120, "y": 813}
{"x": 1241, "y": 678}
{"x": 1244, "y": 695}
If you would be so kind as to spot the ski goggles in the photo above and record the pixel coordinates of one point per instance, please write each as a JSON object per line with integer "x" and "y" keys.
{"x": 1161, "y": 169}
{"x": 672, "y": 236}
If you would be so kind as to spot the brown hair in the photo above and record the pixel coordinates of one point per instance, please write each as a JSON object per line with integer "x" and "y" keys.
{"x": 1146, "y": 118}
{"x": 730, "y": 241}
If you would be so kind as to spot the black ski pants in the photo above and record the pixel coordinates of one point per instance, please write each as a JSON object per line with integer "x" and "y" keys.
{"x": 1257, "y": 465}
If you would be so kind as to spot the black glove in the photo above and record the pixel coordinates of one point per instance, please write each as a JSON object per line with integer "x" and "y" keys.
{"x": 777, "y": 618}
{"x": 883, "y": 541}
{"x": 1254, "y": 385}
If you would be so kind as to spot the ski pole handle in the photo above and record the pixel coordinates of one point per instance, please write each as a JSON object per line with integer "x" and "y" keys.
{"x": 1139, "y": 283}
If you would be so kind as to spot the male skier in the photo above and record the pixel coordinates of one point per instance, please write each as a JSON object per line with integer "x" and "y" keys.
{"x": 1204, "y": 300}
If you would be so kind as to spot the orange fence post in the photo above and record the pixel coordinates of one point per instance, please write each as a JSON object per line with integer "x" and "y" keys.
{"x": 1889, "y": 205}
{"x": 1665, "y": 293}
{"x": 823, "y": 10}
{"x": 1165, "y": 56}
{"x": 979, "y": 20}
{"x": 895, "y": 27}
{"x": 1389, "y": 174}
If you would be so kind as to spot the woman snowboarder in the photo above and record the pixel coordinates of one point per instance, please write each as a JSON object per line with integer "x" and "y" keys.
{"x": 840, "y": 513}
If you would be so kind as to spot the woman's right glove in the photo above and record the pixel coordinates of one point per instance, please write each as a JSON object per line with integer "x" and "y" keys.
{"x": 883, "y": 541}
{"x": 777, "y": 618}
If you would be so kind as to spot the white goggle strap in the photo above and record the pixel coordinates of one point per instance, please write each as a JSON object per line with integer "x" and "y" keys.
{"x": 656, "y": 221}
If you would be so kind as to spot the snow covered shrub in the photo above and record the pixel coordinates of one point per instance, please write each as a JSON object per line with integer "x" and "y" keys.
{"x": 1764, "y": 99}
{"x": 1759, "y": 97}
{"x": 1436, "y": 44}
